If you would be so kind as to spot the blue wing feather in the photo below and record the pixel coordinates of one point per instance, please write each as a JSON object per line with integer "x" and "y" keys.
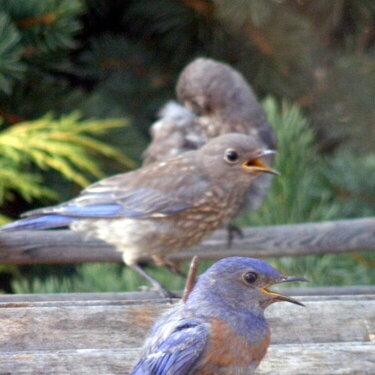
{"x": 176, "y": 355}
{"x": 138, "y": 195}
{"x": 39, "y": 222}
{"x": 105, "y": 210}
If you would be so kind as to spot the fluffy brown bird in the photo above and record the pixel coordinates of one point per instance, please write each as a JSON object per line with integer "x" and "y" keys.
{"x": 162, "y": 208}
{"x": 213, "y": 99}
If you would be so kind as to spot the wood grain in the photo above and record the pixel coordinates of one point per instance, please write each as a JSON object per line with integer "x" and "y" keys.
{"x": 353, "y": 291}
{"x": 124, "y": 324}
{"x": 333, "y": 334}
{"x": 64, "y": 246}
{"x": 351, "y": 358}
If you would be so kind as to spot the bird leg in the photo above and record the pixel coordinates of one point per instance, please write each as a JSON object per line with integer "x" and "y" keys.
{"x": 173, "y": 268}
{"x": 156, "y": 285}
{"x": 232, "y": 231}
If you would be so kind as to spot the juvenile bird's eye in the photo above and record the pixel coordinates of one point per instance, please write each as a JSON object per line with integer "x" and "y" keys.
{"x": 231, "y": 156}
{"x": 250, "y": 277}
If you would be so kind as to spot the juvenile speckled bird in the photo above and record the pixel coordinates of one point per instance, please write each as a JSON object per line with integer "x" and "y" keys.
{"x": 214, "y": 99}
{"x": 162, "y": 208}
{"x": 221, "y": 328}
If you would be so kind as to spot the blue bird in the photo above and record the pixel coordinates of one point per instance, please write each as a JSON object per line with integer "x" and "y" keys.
{"x": 221, "y": 328}
{"x": 162, "y": 208}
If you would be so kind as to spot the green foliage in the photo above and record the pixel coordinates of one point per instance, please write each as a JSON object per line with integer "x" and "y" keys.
{"x": 110, "y": 53}
{"x": 170, "y": 25}
{"x": 329, "y": 269}
{"x": 121, "y": 59}
{"x": 35, "y": 35}
{"x": 10, "y": 53}
{"x": 313, "y": 187}
{"x": 65, "y": 145}
{"x": 319, "y": 270}
{"x": 297, "y": 195}
{"x": 304, "y": 192}
{"x": 45, "y": 25}
{"x": 345, "y": 102}
{"x": 351, "y": 178}
{"x": 96, "y": 277}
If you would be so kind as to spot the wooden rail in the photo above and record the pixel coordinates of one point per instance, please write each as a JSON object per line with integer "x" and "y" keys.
{"x": 64, "y": 246}
{"x": 100, "y": 335}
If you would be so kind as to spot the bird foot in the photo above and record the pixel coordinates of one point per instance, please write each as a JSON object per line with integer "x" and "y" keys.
{"x": 232, "y": 232}
{"x": 156, "y": 286}
{"x": 164, "y": 293}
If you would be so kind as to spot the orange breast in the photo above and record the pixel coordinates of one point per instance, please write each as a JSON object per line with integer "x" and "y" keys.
{"x": 227, "y": 351}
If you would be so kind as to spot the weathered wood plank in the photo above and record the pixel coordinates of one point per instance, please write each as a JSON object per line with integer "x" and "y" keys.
{"x": 350, "y": 358}
{"x": 124, "y": 324}
{"x": 323, "y": 359}
{"x": 64, "y": 246}
{"x": 353, "y": 291}
{"x": 323, "y": 321}
{"x": 76, "y": 327}
{"x": 136, "y": 298}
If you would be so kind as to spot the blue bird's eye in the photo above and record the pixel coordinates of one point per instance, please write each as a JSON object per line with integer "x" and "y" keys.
{"x": 231, "y": 156}
{"x": 250, "y": 277}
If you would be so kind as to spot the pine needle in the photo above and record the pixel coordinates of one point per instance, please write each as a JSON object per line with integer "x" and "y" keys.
{"x": 64, "y": 144}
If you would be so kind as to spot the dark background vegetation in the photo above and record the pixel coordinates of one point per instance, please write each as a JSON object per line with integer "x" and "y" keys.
{"x": 311, "y": 62}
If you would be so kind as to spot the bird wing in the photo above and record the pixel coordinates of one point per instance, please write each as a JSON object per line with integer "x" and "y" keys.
{"x": 177, "y": 354}
{"x": 147, "y": 192}
{"x": 174, "y": 133}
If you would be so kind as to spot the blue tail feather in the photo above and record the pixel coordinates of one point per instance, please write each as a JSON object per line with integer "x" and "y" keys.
{"x": 39, "y": 222}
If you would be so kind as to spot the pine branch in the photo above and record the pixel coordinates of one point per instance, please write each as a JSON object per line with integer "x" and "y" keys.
{"x": 27, "y": 185}
{"x": 65, "y": 145}
{"x": 201, "y": 7}
{"x": 43, "y": 19}
{"x": 299, "y": 194}
{"x": 45, "y": 25}
{"x": 10, "y": 53}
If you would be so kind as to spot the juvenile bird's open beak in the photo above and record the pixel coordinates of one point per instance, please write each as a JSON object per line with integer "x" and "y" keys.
{"x": 257, "y": 164}
{"x": 281, "y": 297}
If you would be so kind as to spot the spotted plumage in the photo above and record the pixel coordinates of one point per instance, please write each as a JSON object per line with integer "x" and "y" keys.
{"x": 162, "y": 208}
{"x": 213, "y": 99}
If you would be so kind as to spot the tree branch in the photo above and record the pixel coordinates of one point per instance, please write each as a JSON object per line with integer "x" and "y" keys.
{"x": 65, "y": 246}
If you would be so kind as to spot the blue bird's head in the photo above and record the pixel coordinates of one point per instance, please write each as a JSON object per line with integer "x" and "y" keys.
{"x": 243, "y": 282}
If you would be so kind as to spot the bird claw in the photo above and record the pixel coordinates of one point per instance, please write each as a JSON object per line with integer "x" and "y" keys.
{"x": 164, "y": 293}
{"x": 156, "y": 286}
{"x": 232, "y": 231}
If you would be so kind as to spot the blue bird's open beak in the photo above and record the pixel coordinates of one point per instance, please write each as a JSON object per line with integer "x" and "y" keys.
{"x": 281, "y": 297}
{"x": 257, "y": 164}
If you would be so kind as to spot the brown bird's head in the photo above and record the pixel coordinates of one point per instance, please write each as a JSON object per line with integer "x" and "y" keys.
{"x": 235, "y": 156}
{"x": 223, "y": 101}
{"x": 207, "y": 87}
